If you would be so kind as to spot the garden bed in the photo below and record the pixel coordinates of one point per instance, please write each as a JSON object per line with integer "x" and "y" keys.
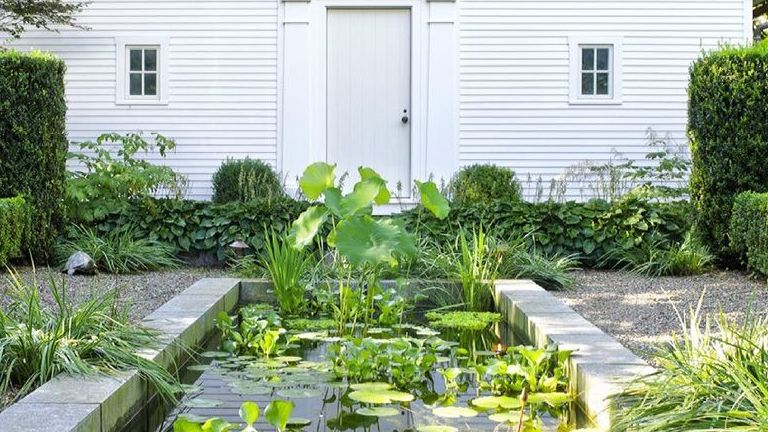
{"x": 640, "y": 311}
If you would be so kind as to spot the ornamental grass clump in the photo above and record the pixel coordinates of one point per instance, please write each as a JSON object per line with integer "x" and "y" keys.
{"x": 712, "y": 378}
{"x": 38, "y": 342}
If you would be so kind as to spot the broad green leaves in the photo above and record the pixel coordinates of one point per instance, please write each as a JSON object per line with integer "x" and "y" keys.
{"x": 364, "y": 240}
{"x": 317, "y": 178}
{"x": 433, "y": 200}
{"x": 249, "y": 412}
{"x": 278, "y": 412}
{"x": 305, "y": 228}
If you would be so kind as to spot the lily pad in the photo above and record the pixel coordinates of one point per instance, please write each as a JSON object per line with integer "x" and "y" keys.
{"x": 379, "y": 396}
{"x": 198, "y": 368}
{"x": 215, "y": 354}
{"x": 371, "y": 386}
{"x": 298, "y": 393}
{"x": 288, "y": 359}
{"x": 454, "y": 412}
{"x": 298, "y": 422}
{"x": 494, "y": 402}
{"x": 552, "y": 399}
{"x": 203, "y": 403}
{"x": 436, "y": 428}
{"x": 506, "y": 417}
{"x": 378, "y": 411}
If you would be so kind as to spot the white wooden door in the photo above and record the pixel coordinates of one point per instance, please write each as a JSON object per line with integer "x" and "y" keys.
{"x": 369, "y": 93}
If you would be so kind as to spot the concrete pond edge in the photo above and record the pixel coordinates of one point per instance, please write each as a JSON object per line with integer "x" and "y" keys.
{"x": 599, "y": 367}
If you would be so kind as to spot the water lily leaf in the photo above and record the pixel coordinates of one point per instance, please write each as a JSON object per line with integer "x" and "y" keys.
{"x": 494, "y": 402}
{"x": 305, "y": 228}
{"x": 369, "y": 174}
{"x": 433, "y": 200}
{"x": 371, "y": 386}
{"x": 249, "y": 412}
{"x": 278, "y": 412}
{"x": 378, "y": 411}
{"x": 552, "y": 399}
{"x": 316, "y": 178}
{"x": 191, "y": 388}
{"x": 506, "y": 417}
{"x": 350, "y": 421}
{"x": 288, "y": 359}
{"x": 215, "y": 354}
{"x": 203, "y": 403}
{"x": 299, "y": 393}
{"x": 298, "y": 422}
{"x": 436, "y": 428}
{"x": 397, "y": 396}
{"x": 454, "y": 412}
{"x": 198, "y": 368}
{"x": 369, "y": 396}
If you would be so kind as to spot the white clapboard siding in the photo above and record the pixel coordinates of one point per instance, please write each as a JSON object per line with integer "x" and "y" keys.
{"x": 222, "y": 82}
{"x": 514, "y": 71}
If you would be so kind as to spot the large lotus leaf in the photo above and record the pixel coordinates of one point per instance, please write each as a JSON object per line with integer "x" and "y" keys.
{"x": 369, "y": 174}
{"x": 366, "y": 240}
{"x": 433, "y": 200}
{"x": 278, "y": 412}
{"x": 333, "y": 200}
{"x": 317, "y": 178}
{"x": 360, "y": 200}
{"x": 305, "y": 228}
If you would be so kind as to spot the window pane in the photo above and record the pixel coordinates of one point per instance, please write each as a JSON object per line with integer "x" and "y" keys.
{"x": 135, "y": 59}
{"x": 602, "y": 59}
{"x": 150, "y": 84}
{"x": 135, "y": 84}
{"x": 587, "y": 59}
{"x": 602, "y": 84}
{"x": 150, "y": 60}
{"x": 587, "y": 83}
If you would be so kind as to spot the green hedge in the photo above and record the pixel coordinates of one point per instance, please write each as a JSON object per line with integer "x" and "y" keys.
{"x": 33, "y": 143}
{"x": 14, "y": 225}
{"x": 728, "y": 127}
{"x": 588, "y": 230}
{"x": 749, "y": 230}
{"x": 484, "y": 183}
{"x": 202, "y": 227}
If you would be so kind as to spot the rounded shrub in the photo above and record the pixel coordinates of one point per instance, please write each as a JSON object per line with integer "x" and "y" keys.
{"x": 33, "y": 141}
{"x": 729, "y": 137}
{"x": 245, "y": 180}
{"x": 484, "y": 183}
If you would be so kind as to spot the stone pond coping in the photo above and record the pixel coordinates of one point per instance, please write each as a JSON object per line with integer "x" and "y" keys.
{"x": 106, "y": 403}
{"x": 599, "y": 367}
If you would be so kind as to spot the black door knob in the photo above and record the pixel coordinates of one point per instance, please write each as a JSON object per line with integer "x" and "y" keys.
{"x": 404, "y": 119}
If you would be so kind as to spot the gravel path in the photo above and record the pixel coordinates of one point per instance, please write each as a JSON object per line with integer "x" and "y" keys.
{"x": 143, "y": 292}
{"x": 640, "y": 312}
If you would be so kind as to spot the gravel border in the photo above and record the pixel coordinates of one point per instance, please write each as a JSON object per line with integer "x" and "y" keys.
{"x": 642, "y": 313}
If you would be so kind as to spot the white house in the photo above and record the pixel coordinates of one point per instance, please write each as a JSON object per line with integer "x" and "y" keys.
{"x": 410, "y": 87}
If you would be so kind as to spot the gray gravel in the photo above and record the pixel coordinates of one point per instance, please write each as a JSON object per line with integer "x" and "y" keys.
{"x": 143, "y": 292}
{"x": 641, "y": 312}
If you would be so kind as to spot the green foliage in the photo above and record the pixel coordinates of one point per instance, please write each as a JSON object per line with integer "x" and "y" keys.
{"x": 660, "y": 257}
{"x": 277, "y": 413}
{"x": 118, "y": 252}
{"x": 255, "y": 331}
{"x": 585, "y": 230}
{"x": 33, "y": 142}
{"x": 245, "y": 180}
{"x": 521, "y": 261}
{"x": 537, "y": 370}
{"x": 403, "y": 362}
{"x": 285, "y": 266}
{"x": 729, "y": 135}
{"x": 484, "y": 183}
{"x": 14, "y": 226}
{"x": 713, "y": 378}
{"x": 749, "y": 230}
{"x": 111, "y": 179}
{"x": 37, "y": 342}
{"x": 199, "y": 226}
{"x": 461, "y": 320}
{"x": 18, "y": 16}
{"x": 307, "y": 324}
{"x": 476, "y": 269}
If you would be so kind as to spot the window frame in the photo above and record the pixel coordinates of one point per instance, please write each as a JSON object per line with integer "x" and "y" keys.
{"x": 615, "y": 76}
{"x": 122, "y": 89}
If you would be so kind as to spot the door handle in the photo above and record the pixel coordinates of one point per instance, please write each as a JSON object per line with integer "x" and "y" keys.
{"x": 404, "y": 119}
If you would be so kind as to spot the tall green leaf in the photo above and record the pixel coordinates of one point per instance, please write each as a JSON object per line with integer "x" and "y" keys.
{"x": 364, "y": 240}
{"x": 383, "y": 196}
{"x": 317, "y": 178}
{"x": 433, "y": 200}
{"x": 305, "y": 228}
{"x": 249, "y": 412}
{"x": 278, "y": 412}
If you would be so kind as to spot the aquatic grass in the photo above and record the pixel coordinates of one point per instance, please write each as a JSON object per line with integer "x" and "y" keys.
{"x": 286, "y": 266}
{"x": 92, "y": 337}
{"x": 462, "y": 320}
{"x": 660, "y": 257}
{"x": 476, "y": 268}
{"x": 118, "y": 252}
{"x": 715, "y": 377}
{"x": 519, "y": 261}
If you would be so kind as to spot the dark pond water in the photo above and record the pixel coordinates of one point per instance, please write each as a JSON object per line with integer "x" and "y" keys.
{"x": 220, "y": 384}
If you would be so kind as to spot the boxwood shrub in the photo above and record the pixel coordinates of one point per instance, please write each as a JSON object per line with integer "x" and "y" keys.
{"x": 588, "y": 230}
{"x": 729, "y": 136}
{"x": 484, "y": 183}
{"x": 33, "y": 143}
{"x": 245, "y": 180}
{"x": 749, "y": 230}
{"x": 14, "y": 226}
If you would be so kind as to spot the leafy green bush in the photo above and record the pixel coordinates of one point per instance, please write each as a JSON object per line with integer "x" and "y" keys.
{"x": 108, "y": 181}
{"x": 585, "y": 230}
{"x": 485, "y": 183}
{"x": 38, "y": 342}
{"x": 33, "y": 142}
{"x": 245, "y": 180}
{"x": 549, "y": 272}
{"x": 118, "y": 252}
{"x": 14, "y": 226}
{"x": 660, "y": 257}
{"x": 729, "y": 136}
{"x": 749, "y": 230}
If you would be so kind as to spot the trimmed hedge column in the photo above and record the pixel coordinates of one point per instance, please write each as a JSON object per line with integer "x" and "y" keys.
{"x": 13, "y": 228}
{"x": 728, "y": 127}
{"x": 749, "y": 230}
{"x": 33, "y": 142}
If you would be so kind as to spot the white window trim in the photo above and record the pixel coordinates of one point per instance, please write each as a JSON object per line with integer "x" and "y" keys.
{"x": 616, "y": 95}
{"x": 121, "y": 73}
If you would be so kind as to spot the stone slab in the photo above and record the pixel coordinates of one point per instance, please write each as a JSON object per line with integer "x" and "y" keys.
{"x": 48, "y": 417}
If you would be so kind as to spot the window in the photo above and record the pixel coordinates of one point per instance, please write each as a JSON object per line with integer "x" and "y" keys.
{"x": 595, "y": 76}
{"x": 142, "y": 71}
{"x": 141, "y": 75}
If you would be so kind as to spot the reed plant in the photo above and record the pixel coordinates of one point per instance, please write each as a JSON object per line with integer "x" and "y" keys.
{"x": 286, "y": 266}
